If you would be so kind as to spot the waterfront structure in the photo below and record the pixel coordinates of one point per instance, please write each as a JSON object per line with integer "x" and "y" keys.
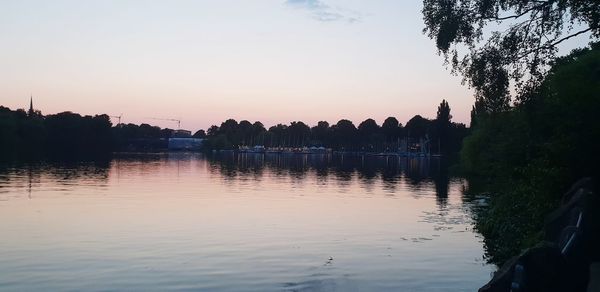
{"x": 184, "y": 144}
{"x": 180, "y": 133}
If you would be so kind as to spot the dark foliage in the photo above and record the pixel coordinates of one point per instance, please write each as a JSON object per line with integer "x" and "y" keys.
{"x": 445, "y": 135}
{"x": 529, "y": 155}
{"x": 67, "y": 135}
{"x": 491, "y": 42}
{"x": 70, "y": 134}
{"x": 144, "y": 137}
{"x": 31, "y": 135}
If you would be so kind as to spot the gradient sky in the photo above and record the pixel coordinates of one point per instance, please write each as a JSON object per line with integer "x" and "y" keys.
{"x": 206, "y": 61}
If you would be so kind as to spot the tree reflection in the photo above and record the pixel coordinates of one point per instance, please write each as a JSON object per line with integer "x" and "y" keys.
{"x": 30, "y": 176}
{"x": 417, "y": 170}
{"x": 391, "y": 172}
{"x": 441, "y": 180}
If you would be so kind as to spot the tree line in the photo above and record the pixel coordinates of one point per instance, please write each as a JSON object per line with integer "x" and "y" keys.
{"x": 67, "y": 134}
{"x": 31, "y": 135}
{"x": 444, "y": 135}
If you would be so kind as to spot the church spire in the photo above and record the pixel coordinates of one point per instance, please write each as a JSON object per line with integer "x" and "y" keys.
{"x": 31, "y": 112}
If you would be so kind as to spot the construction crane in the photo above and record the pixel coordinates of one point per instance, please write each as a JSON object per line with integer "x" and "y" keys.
{"x": 172, "y": 120}
{"x": 118, "y": 117}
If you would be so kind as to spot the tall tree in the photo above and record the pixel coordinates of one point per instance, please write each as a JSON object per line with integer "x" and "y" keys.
{"x": 443, "y": 124}
{"x": 477, "y": 111}
{"x": 443, "y": 113}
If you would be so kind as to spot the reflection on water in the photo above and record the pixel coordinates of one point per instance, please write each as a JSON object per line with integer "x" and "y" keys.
{"x": 418, "y": 172}
{"x": 237, "y": 222}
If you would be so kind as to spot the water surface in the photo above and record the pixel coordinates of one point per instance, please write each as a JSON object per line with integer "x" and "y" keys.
{"x": 237, "y": 223}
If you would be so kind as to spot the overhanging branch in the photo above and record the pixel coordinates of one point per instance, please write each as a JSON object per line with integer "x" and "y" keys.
{"x": 554, "y": 43}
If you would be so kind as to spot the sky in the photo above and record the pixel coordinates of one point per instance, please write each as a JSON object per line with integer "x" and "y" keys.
{"x": 202, "y": 62}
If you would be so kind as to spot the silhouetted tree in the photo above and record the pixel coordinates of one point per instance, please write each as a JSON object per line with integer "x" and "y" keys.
{"x": 70, "y": 134}
{"x": 477, "y": 111}
{"x": 229, "y": 129}
{"x": 278, "y": 135}
{"x": 166, "y": 133}
{"x": 199, "y": 134}
{"x": 244, "y": 133}
{"x": 258, "y": 133}
{"x": 443, "y": 113}
{"x": 367, "y": 128}
{"x": 299, "y": 133}
{"x": 212, "y": 130}
{"x": 8, "y": 132}
{"x": 417, "y": 127}
{"x": 344, "y": 134}
{"x": 390, "y": 128}
{"x": 523, "y": 40}
{"x": 320, "y": 133}
{"x": 443, "y": 126}
{"x": 369, "y": 134}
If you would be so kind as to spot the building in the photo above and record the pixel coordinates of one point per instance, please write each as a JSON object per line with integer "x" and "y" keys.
{"x": 31, "y": 111}
{"x": 180, "y": 133}
{"x": 184, "y": 144}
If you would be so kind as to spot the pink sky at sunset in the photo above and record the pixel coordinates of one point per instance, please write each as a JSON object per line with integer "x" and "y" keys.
{"x": 206, "y": 61}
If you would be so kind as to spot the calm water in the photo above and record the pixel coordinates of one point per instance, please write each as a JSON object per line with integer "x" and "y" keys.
{"x": 237, "y": 223}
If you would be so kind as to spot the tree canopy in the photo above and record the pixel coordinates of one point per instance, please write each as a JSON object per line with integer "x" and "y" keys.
{"x": 494, "y": 42}
{"x": 443, "y": 113}
{"x": 533, "y": 152}
{"x": 444, "y": 136}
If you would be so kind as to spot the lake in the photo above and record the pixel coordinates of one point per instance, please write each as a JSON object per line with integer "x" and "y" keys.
{"x": 247, "y": 222}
